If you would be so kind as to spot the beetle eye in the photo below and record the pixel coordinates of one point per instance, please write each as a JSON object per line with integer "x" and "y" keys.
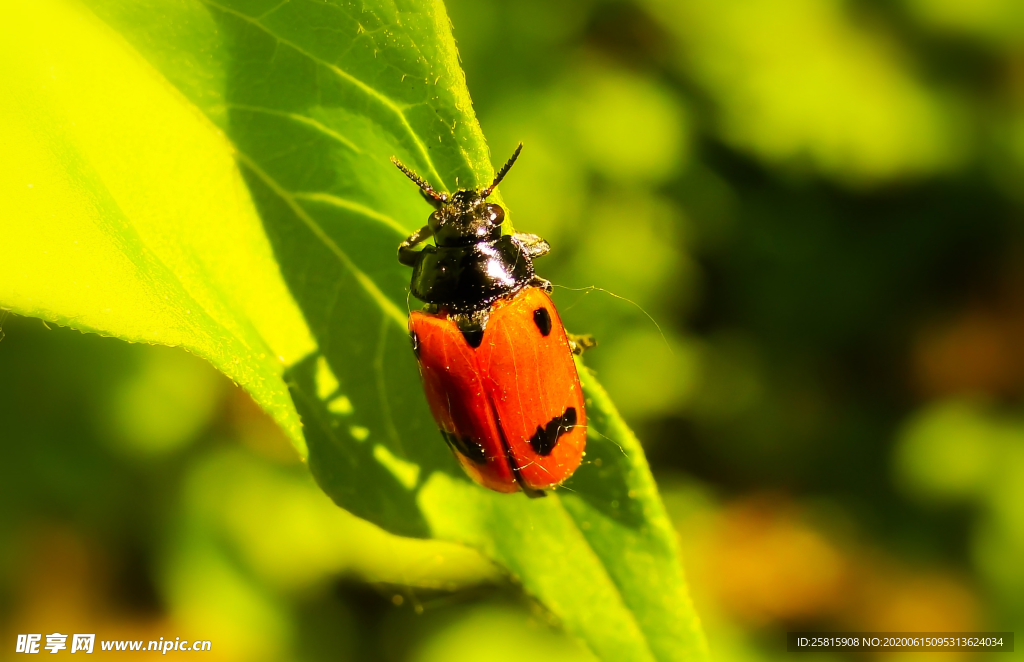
{"x": 495, "y": 214}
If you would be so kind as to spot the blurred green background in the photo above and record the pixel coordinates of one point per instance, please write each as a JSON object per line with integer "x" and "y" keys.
{"x": 795, "y": 227}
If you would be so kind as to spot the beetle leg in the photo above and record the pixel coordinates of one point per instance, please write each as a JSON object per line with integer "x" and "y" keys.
{"x": 534, "y": 245}
{"x": 581, "y": 343}
{"x": 406, "y": 254}
{"x": 542, "y": 283}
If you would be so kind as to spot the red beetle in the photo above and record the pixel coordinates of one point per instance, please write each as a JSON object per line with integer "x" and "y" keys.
{"x": 496, "y": 362}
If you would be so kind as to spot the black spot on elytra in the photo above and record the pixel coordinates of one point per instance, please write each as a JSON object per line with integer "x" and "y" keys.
{"x": 474, "y": 337}
{"x": 544, "y": 439}
{"x": 542, "y": 318}
{"x": 465, "y": 446}
{"x": 415, "y": 339}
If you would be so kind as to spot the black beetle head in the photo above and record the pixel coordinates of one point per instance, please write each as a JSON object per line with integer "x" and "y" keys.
{"x": 464, "y": 217}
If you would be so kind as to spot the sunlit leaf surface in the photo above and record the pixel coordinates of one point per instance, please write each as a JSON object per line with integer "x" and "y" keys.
{"x": 311, "y": 100}
{"x": 123, "y": 212}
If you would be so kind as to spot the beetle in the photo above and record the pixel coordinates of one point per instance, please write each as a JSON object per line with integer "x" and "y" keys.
{"x": 496, "y": 363}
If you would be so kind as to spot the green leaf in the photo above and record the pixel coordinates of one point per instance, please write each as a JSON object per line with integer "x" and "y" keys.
{"x": 312, "y": 98}
{"x": 123, "y": 212}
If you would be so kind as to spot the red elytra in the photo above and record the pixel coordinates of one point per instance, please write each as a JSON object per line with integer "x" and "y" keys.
{"x": 511, "y": 408}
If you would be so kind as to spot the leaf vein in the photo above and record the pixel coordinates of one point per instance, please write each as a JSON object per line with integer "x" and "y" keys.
{"x": 383, "y": 99}
{"x": 302, "y": 119}
{"x": 330, "y": 199}
{"x": 387, "y": 306}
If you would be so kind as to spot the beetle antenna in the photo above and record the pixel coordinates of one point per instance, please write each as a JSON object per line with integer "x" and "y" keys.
{"x": 504, "y": 171}
{"x": 419, "y": 181}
